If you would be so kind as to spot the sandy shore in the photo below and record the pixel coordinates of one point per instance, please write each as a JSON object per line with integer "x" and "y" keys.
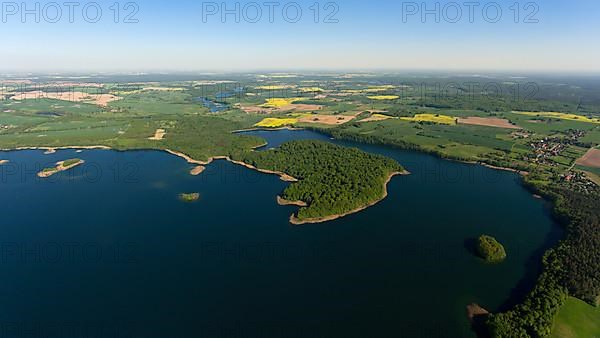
{"x": 520, "y": 172}
{"x": 284, "y": 177}
{"x": 59, "y": 167}
{"x": 201, "y": 167}
{"x": 267, "y": 129}
{"x": 197, "y": 170}
{"x": 282, "y": 201}
{"x": 483, "y": 164}
{"x": 3, "y": 162}
{"x": 51, "y": 150}
{"x": 187, "y": 158}
{"x": 294, "y": 220}
{"x": 474, "y": 310}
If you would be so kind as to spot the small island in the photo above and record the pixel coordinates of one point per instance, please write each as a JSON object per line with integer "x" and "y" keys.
{"x": 191, "y": 197}
{"x": 197, "y": 170}
{"x": 2, "y": 162}
{"x": 490, "y": 249}
{"x": 60, "y": 166}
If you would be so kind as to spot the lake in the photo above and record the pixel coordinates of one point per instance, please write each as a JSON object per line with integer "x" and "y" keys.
{"x": 108, "y": 250}
{"x": 212, "y": 105}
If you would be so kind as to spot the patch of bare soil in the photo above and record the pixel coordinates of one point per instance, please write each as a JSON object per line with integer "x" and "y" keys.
{"x": 327, "y": 119}
{"x": 488, "y": 122}
{"x": 158, "y": 135}
{"x": 590, "y": 159}
{"x": 97, "y": 99}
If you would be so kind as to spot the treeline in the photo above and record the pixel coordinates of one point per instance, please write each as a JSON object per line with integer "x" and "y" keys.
{"x": 332, "y": 179}
{"x": 569, "y": 269}
{"x": 343, "y": 133}
{"x": 581, "y": 252}
{"x": 493, "y": 103}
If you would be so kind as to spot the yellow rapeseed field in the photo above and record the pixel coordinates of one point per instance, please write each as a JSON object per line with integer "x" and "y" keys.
{"x": 272, "y": 122}
{"x": 280, "y": 102}
{"x": 376, "y": 89}
{"x": 562, "y": 116}
{"x": 372, "y": 89}
{"x": 434, "y": 118}
{"x": 384, "y": 97}
{"x": 311, "y": 90}
{"x": 273, "y": 87}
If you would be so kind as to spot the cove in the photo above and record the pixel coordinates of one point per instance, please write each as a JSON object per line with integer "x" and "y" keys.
{"x": 108, "y": 250}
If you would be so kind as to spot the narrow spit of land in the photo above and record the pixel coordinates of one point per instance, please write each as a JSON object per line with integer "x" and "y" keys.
{"x": 60, "y": 166}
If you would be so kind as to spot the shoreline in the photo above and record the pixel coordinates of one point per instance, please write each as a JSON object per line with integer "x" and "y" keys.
{"x": 295, "y": 221}
{"x": 520, "y": 172}
{"x": 283, "y": 176}
{"x": 197, "y": 170}
{"x": 490, "y": 166}
{"x": 240, "y": 131}
{"x": 475, "y": 310}
{"x": 283, "y": 202}
{"x": 421, "y": 150}
{"x": 287, "y": 178}
{"x": 53, "y": 150}
{"x": 59, "y": 168}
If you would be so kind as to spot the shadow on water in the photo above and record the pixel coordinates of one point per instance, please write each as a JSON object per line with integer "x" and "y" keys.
{"x": 470, "y": 245}
{"x": 533, "y": 266}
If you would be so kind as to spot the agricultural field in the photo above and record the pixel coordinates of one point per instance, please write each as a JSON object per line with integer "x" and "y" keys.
{"x": 590, "y": 159}
{"x": 562, "y": 116}
{"x": 384, "y": 97}
{"x": 433, "y": 118}
{"x": 272, "y": 122}
{"x": 487, "y": 122}
{"x": 280, "y": 102}
{"x": 393, "y": 110}
{"x": 577, "y": 319}
{"x": 376, "y": 117}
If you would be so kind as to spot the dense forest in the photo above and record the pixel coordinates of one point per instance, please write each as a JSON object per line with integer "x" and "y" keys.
{"x": 569, "y": 269}
{"x": 332, "y": 179}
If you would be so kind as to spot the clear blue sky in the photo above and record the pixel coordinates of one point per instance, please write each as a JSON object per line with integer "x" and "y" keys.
{"x": 376, "y": 34}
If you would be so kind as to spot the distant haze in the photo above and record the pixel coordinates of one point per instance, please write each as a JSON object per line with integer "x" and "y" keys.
{"x": 551, "y": 35}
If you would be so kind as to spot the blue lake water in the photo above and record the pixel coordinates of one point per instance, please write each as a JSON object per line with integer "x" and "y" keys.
{"x": 108, "y": 250}
{"x": 212, "y": 105}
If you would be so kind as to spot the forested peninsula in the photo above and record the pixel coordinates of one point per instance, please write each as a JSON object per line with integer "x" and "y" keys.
{"x": 333, "y": 181}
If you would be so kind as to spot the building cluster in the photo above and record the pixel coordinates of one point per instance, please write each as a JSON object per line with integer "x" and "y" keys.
{"x": 578, "y": 181}
{"x": 551, "y": 146}
{"x": 545, "y": 149}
